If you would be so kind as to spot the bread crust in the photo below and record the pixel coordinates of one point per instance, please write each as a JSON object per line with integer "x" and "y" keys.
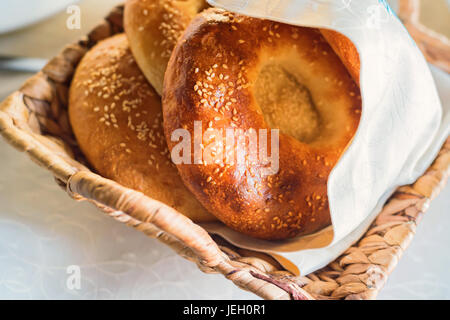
{"x": 153, "y": 28}
{"x": 346, "y": 50}
{"x": 116, "y": 117}
{"x": 211, "y": 78}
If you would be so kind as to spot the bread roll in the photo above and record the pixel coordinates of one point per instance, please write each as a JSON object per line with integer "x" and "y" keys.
{"x": 153, "y": 28}
{"x": 116, "y": 117}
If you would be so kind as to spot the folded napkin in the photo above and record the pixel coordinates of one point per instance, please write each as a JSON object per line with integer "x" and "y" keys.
{"x": 403, "y": 123}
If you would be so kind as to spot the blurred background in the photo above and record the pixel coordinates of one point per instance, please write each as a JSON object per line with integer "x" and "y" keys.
{"x": 42, "y": 231}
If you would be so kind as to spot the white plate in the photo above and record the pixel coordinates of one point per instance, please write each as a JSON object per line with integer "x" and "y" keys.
{"x": 16, "y": 14}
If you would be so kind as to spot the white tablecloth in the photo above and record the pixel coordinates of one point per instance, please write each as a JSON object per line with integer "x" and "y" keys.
{"x": 43, "y": 231}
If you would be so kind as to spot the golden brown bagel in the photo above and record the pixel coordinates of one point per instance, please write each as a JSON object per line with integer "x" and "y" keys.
{"x": 231, "y": 71}
{"x": 153, "y": 28}
{"x": 346, "y": 50}
{"x": 116, "y": 117}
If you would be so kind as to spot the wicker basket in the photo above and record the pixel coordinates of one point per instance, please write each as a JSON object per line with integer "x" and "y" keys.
{"x": 435, "y": 47}
{"x": 34, "y": 120}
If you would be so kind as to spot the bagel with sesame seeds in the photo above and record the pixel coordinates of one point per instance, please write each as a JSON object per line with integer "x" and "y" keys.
{"x": 153, "y": 28}
{"x": 116, "y": 117}
{"x": 230, "y": 71}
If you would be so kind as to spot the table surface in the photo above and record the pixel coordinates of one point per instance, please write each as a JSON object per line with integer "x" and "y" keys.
{"x": 43, "y": 232}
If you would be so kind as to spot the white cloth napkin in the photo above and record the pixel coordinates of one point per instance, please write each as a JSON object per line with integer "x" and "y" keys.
{"x": 403, "y": 123}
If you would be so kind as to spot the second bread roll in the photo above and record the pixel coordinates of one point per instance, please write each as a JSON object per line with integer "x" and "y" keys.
{"x": 116, "y": 117}
{"x": 153, "y": 28}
